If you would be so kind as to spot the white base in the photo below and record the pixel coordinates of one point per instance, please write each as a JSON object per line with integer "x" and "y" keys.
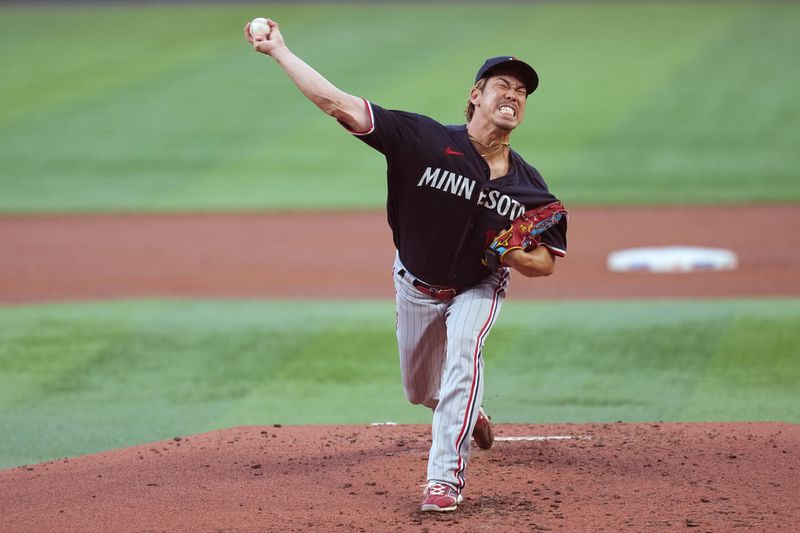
{"x": 671, "y": 259}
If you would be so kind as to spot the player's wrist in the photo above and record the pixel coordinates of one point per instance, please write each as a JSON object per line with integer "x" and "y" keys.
{"x": 281, "y": 54}
{"x": 513, "y": 257}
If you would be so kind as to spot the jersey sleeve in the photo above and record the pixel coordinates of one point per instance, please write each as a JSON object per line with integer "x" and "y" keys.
{"x": 393, "y": 133}
{"x": 555, "y": 238}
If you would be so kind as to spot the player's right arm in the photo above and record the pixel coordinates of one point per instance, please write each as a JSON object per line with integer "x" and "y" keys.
{"x": 350, "y": 110}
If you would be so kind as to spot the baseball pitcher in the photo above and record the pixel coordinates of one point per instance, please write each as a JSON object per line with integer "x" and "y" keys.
{"x": 465, "y": 210}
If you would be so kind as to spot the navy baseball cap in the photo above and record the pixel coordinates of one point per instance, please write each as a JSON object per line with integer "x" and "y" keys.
{"x": 525, "y": 71}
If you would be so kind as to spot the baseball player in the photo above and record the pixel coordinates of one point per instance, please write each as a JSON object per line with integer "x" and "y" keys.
{"x": 462, "y": 207}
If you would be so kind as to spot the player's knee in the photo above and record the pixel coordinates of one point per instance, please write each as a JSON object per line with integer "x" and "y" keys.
{"x": 419, "y": 397}
{"x": 415, "y": 398}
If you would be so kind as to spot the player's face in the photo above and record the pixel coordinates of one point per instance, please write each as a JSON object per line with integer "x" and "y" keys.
{"x": 502, "y": 100}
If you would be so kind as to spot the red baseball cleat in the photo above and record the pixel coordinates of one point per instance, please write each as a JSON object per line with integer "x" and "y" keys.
{"x": 483, "y": 432}
{"x": 440, "y": 497}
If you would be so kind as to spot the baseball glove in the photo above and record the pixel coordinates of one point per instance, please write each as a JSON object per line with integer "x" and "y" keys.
{"x": 524, "y": 233}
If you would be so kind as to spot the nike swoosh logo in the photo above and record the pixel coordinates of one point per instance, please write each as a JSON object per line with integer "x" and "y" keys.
{"x": 450, "y": 151}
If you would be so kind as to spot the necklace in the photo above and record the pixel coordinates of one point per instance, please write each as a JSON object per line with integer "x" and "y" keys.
{"x": 494, "y": 146}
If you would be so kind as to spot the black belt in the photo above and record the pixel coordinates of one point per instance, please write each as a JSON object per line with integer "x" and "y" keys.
{"x": 439, "y": 293}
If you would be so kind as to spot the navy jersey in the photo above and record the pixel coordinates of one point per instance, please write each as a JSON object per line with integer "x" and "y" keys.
{"x": 442, "y": 207}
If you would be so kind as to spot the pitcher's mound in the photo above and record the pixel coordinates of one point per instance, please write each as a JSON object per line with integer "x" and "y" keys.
{"x": 609, "y": 477}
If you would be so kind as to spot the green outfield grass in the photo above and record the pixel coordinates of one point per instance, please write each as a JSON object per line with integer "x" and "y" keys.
{"x": 84, "y": 377}
{"x": 134, "y": 107}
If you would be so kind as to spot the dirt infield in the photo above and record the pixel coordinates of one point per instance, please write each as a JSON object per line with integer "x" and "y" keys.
{"x": 349, "y": 255}
{"x": 613, "y": 477}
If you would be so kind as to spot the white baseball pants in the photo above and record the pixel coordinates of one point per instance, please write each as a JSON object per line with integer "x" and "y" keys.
{"x": 441, "y": 365}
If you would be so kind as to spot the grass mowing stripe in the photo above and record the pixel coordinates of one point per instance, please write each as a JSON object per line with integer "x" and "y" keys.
{"x": 753, "y": 373}
{"x": 725, "y": 115}
{"x": 163, "y": 123}
{"x": 83, "y": 377}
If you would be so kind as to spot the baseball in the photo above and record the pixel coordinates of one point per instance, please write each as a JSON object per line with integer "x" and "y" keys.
{"x": 259, "y": 26}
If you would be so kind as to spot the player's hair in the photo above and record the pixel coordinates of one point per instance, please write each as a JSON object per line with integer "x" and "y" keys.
{"x": 470, "y": 109}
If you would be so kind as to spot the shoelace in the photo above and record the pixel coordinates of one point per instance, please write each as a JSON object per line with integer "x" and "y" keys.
{"x": 437, "y": 489}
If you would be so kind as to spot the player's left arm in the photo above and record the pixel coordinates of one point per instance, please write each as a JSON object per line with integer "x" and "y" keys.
{"x": 536, "y": 263}
{"x": 530, "y": 244}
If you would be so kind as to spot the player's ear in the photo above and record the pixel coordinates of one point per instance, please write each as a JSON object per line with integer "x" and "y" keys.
{"x": 477, "y": 90}
{"x": 475, "y": 95}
